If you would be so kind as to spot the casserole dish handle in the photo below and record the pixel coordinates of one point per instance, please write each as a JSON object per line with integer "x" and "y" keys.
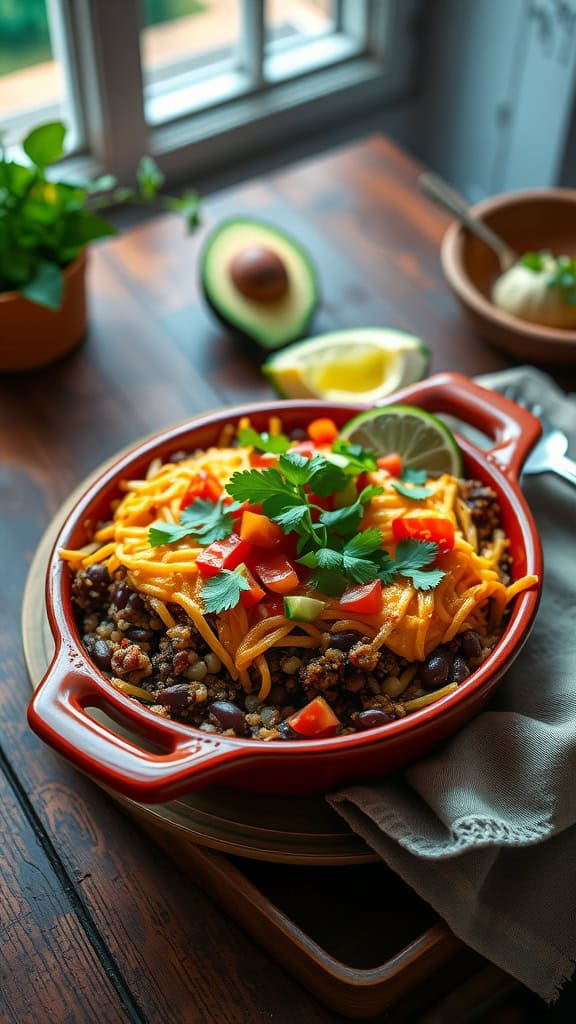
{"x": 60, "y": 713}
{"x": 512, "y": 429}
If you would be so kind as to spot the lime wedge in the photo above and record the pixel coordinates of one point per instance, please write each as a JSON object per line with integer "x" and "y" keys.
{"x": 366, "y": 362}
{"x": 421, "y": 439}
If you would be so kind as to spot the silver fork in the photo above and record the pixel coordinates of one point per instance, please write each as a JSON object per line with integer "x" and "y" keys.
{"x": 549, "y": 452}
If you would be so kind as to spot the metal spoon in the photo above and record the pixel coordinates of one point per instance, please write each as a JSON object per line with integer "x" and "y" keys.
{"x": 445, "y": 196}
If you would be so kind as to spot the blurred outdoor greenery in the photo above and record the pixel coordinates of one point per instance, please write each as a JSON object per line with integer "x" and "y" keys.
{"x": 25, "y": 38}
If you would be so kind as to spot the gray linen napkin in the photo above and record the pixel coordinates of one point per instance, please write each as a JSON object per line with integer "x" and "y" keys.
{"x": 484, "y": 828}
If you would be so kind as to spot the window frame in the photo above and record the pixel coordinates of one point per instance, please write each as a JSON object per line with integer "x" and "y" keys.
{"x": 363, "y": 66}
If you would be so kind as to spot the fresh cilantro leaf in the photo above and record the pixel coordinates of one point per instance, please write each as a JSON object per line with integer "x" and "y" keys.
{"x": 275, "y": 443}
{"x": 203, "y": 520}
{"x": 415, "y": 553}
{"x": 410, "y": 475}
{"x": 208, "y": 521}
{"x": 291, "y": 519}
{"x": 369, "y": 492}
{"x": 255, "y": 485}
{"x": 412, "y": 558}
{"x": 361, "y": 570}
{"x": 222, "y": 591}
{"x": 425, "y": 579}
{"x": 327, "y": 558}
{"x": 324, "y": 477}
{"x": 360, "y": 460}
{"x": 295, "y": 468}
{"x": 343, "y": 521}
{"x": 364, "y": 543}
{"x": 329, "y": 582}
{"x": 413, "y": 492}
{"x": 165, "y": 533}
{"x": 533, "y": 260}
{"x": 310, "y": 559}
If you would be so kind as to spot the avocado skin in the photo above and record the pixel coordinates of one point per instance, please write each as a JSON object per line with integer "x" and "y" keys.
{"x": 248, "y": 338}
{"x": 256, "y": 343}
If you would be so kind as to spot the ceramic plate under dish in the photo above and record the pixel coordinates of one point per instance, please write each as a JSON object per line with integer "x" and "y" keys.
{"x": 286, "y": 829}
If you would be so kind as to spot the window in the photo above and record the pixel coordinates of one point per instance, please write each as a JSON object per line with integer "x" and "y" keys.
{"x": 181, "y": 79}
{"x": 36, "y": 79}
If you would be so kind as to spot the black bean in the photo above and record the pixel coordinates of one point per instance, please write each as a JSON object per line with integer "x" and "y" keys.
{"x": 98, "y": 575}
{"x": 278, "y": 696}
{"x": 101, "y": 655}
{"x": 135, "y": 603}
{"x": 436, "y": 669}
{"x": 287, "y": 732}
{"x": 176, "y": 696}
{"x": 471, "y": 645}
{"x": 459, "y": 670}
{"x": 229, "y": 716}
{"x": 345, "y": 640}
{"x": 371, "y": 718}
{"x": 121, "y": 595}
{"x": 139, "y": 636}
{"x": 298, "y": 434}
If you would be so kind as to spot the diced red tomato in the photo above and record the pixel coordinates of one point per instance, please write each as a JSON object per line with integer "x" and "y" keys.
{"x": 305, "y": 448}
{"x": 316, "y": 719}
{"x": 223, "y": 554}
{"x": 276, "y": 573}
{"x": 273, "y": 604}
{"x": 392, "y": 463}
{"x": 323, "y": 430}
{"x": 263, "y": 460}
{"x": 438, "y": 529}
{"x": 205, "y": 486}
{"x": 259, "y": 530}
{"x": 366, "y": 598}
{"x": 248, "y": 598}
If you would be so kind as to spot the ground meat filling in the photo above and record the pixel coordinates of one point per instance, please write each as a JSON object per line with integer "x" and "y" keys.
{"x": 177, "y": 675}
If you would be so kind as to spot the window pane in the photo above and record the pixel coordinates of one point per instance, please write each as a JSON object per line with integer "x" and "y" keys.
{"x": 184, "y": 44}
{"x": 298, "y": 21}
{"x": 34, "y": 72}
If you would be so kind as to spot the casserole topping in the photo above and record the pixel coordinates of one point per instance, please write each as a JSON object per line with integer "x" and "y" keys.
{"x": 279, "y": 587}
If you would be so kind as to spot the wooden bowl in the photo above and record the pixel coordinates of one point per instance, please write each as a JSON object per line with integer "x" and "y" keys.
{"x": 529, "y": 221}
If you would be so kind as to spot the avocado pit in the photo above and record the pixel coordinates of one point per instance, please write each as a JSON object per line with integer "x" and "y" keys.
{"x": 259, "y": 274}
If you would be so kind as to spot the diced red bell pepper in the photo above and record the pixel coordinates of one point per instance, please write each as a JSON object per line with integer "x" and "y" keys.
{"x": 223, "y": 554}
{"x": 276, "y": 573}
{"x": 438, "y": 529}
{"x": 322, "y": 430}
{"x": 316, "y": 719}
{"x": 248, "y": 598}
{"x": 392, "y": 463}
{"x": 263, "y": 460}
{"x": 305, "y": 448}
{"x": 366, "y": 598}
{"x": 205, "y": 486}
{"x": 259, "y": 530}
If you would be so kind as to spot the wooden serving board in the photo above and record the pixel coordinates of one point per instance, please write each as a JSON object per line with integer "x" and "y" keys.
{"x": 294, "y": 876}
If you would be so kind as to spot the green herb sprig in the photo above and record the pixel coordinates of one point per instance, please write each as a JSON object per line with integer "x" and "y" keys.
{"x": 206, "y": 521}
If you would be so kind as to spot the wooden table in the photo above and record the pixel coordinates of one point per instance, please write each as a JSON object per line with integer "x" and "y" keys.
{"x": 97, "y": 924}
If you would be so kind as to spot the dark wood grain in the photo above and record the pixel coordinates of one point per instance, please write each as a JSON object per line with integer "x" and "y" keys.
{"x": 106, "y": 925}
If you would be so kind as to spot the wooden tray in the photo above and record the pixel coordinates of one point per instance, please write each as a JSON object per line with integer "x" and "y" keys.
{"x": 353, "y": 933}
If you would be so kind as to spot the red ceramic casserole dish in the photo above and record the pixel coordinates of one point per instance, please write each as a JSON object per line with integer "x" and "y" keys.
{"x": 173, "y": 758}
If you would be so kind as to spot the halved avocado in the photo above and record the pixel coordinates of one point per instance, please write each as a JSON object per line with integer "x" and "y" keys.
{"x": 259, "y": 282}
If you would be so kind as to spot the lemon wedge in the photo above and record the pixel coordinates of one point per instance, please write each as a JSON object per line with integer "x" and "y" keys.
{"x": 366, "y": 363}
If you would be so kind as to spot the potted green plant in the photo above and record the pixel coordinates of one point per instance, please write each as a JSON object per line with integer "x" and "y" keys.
{"x": 46, "y": 227}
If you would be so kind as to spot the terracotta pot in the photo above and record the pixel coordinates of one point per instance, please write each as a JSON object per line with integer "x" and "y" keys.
{"x": 31, "y": 335}
{"x": 186, "y": 758}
